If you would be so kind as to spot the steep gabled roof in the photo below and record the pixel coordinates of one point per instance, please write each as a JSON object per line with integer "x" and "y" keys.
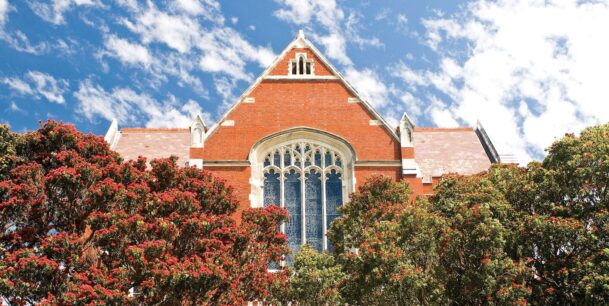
{"x": 302, "y": 42}
{"x": 153, "y": 143}
{"x": 462, "y": 150}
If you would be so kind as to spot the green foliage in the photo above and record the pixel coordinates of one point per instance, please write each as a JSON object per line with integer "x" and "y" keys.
{"x": 564, "y": 207}
{"x": 387, "y": 247}
{"x": 510, "y": 235}
{"x": 9, "y": 142}
{"x": 474, "y": 255}
{"x": 314, "y": 279}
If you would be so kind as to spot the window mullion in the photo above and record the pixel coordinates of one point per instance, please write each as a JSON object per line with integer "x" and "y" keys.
{"x": 323, "y": 199}
{"x": 281, "y": 190}
{"x": 302, "y": 197}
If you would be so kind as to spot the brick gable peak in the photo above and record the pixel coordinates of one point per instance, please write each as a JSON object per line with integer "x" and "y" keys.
{"x": 301, "y": 42}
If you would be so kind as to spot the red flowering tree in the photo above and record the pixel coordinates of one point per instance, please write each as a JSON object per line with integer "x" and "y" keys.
{"x": 448, "y": 249}
{"x": 387, "y": 247}
{"x": 80, "y": 226}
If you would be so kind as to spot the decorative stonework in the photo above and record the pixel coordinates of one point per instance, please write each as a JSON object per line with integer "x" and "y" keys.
{"x": 309, "y": 173}
{"x": 301, "y": 65}
{"x": 228, "y": 123}
{"x": 197, "y": 132}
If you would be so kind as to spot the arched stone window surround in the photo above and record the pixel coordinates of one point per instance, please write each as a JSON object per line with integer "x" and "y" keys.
{"x": 302, "y": 135}
{"x": 301, "y": 65}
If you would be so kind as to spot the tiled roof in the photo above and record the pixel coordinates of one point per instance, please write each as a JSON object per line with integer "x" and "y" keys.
{"x": 154, "y": 143}
{"x": 449, "y": 150}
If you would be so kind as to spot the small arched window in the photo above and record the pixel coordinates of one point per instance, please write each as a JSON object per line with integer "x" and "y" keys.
{"x": 300, "y": 65}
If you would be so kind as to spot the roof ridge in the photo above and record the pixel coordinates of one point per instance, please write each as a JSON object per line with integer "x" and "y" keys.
{"x": 444, "y": 129}
{"x": 140, "y": 129}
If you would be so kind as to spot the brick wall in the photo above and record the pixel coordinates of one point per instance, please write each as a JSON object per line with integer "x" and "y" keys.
{"x": 283, "y": 104}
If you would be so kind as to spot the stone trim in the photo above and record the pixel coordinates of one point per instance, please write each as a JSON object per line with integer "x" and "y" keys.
{"x": 226, "y": 163}
{"x": 433, "y": 129}
{"x": 297, "y": 135}
{"x": 197, "y": 162}
{"x": 378, "y": 163}
{"x": 228, "y": 123}
{"x": 297, "y": 77}
{"x": 410, "y": 167}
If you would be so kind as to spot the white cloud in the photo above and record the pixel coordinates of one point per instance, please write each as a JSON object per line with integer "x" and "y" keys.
{"x": 532, "y": 71}
{"x": 20, "y": 42}
{"x": 440, "y": 115}
{"x": 18, "y": 85}
{"x": 15, "y": 108}
{"x": 328, "y": 24}
{"x": 336, "y": 47}
{"x": 369, "y": 85}
{"x": 402, "y": 19}
{"x": 296, "y": 11}
{"x": 53, "y": 12}
{"x": 193, "y": 7}
{"x": 132, "y": 108}
{"x": 3, "y": 12}
{"x": 49, "y": 87}
{"x": 16, "y": 39}
{"x": 126, "y": 51}
{"x": 39, "y": 85}
{"x": 215, "y": 48}
{"x": 177, "y": 32}
{"x": 209, "y": 9}
{"x": 336, "y": 28}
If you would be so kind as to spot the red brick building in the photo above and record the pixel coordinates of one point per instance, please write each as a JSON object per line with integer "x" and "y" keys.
{"x": 302, "y": 137}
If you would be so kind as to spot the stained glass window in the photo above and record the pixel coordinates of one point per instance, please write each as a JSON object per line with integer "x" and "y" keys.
{"x": 314, "y": 210}
{"x": 334, "y": 197}
{"x": 293, "y": 204}
{"x": 307, "y": 178}
{"x": 272, "y": 191}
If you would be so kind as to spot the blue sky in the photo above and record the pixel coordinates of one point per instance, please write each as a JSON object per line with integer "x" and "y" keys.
{"x": 529, "y": 71}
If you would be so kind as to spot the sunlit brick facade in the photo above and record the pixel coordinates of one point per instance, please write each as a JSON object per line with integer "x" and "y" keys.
{"x": 301, "y": 137}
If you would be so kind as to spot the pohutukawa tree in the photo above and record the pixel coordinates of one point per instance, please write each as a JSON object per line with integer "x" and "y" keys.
{"x": 80, "y": 226}
{"x": 510, "y": 235}
{"x": 563, "y": 207}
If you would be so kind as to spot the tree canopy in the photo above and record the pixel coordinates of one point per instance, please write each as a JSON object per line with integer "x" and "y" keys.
{"x": 510, "y": 235}
{"x": 80, "y": 226}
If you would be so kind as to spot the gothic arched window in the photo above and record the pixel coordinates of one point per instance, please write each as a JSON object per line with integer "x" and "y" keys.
{"x": 307, "y": 179}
